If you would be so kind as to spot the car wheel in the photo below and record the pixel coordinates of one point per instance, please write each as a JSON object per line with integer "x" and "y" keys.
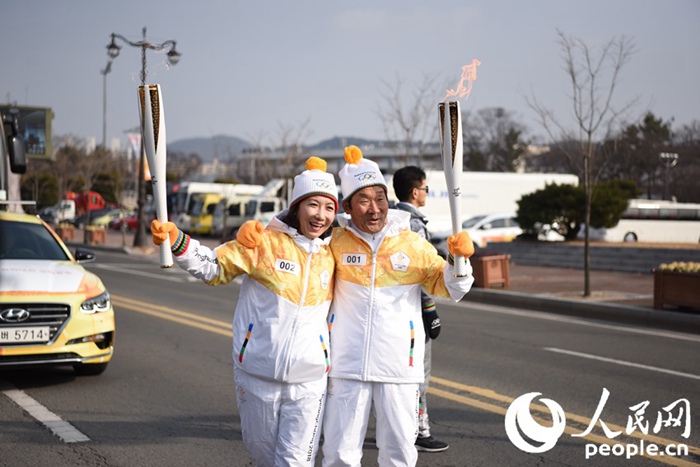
{"x": 90, "y": 369}
{"x": 630, "y": 237}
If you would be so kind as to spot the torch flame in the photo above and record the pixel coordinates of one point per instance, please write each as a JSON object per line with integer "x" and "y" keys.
{"x": 468, "y": 76}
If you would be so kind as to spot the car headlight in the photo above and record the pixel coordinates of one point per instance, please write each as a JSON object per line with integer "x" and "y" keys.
{"x": 96, "y": 304}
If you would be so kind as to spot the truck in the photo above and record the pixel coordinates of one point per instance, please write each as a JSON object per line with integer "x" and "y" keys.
{"x": 267, "y": 204}
{"x": 202, "y": 212}
{"x": 86, "y": 201}
{"x": 190, "y": 206}
{"x": 63, "y": 211}
{"x": 237, "y": 210}
{"x": 73, "y": 205}
{"x": 229, "y": 215}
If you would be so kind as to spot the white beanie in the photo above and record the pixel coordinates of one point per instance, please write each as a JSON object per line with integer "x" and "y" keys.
{"x": 314, "y": 181}
{"x": 359, "y": 173}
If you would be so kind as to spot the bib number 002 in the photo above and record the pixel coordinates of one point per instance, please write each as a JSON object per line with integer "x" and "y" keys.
{"x": 284, "y": 265}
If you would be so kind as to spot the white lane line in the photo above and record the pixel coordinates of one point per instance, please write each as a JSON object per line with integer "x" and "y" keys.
{"x": 579, "y": 321}
{"x": 64, "y": 430}
{"x": 623, "y": 363}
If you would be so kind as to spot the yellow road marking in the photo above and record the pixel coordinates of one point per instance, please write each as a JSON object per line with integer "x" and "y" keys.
{"x": 188, "y": 319}
{"x": 224, "y": 328}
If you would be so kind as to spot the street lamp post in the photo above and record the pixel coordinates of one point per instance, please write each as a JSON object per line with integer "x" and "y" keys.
{"x": 173, "y": 58}
{"x": 104, "y": 73}
{"x": 670, "y": 159}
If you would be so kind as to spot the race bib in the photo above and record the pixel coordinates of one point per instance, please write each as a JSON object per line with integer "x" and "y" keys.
{"x": 284, "y": 265}
{"x": 354, "y": 259}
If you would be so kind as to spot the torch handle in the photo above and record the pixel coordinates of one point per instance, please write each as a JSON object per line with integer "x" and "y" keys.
{"x": 455, "y": 202}
{"x": 166, "y": 256}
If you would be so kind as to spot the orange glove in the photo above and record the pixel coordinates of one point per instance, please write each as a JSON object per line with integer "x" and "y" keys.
{"x": 162, "y": 231}
{"x": 250, "y": 234}
{"x": 460, "y": 244}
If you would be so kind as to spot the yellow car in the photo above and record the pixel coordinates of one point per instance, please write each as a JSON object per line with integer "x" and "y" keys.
{"x": 52, "y": 311}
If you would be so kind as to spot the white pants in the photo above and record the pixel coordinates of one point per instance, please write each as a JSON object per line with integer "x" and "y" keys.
{"x": 348, "y": 407}
{"x": 281, "y": 422}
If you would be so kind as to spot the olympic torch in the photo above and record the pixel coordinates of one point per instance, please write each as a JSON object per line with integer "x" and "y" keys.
{"x": 451, "y": 150}
{"x": 153, "y": 136}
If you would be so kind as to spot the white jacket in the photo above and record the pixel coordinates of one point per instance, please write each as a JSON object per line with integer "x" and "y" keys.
{"x": 280, "y": 329}
{"x": 375, "y": 321}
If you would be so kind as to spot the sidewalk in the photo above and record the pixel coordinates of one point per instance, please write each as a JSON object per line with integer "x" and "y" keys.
{"x": 623, "y": 297}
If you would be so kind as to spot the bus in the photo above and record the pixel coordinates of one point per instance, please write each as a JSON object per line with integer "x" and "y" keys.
{"x": 187, "y": 198}
{"x": 654, "y": 221}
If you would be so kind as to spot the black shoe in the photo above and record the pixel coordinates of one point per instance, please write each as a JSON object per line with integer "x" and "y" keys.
{"x": 430, "y": 444}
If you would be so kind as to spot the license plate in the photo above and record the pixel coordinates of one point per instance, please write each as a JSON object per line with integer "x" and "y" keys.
{"x": 23, "y": 335}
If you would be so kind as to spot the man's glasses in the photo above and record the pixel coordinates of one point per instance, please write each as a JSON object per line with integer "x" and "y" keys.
{"x": 424, "y": 188}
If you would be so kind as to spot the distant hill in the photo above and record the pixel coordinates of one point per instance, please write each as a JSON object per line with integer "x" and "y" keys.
{"x": 222, "y": 146}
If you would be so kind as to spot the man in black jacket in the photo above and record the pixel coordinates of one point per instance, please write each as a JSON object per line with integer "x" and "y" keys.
{"x": 411, "y": 190}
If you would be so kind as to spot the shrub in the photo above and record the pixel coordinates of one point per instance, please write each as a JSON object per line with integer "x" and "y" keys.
{"x": 681, "y": 266}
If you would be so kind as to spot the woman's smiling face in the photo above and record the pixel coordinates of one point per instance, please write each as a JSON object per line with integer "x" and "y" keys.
{"x": 316, "y": 214}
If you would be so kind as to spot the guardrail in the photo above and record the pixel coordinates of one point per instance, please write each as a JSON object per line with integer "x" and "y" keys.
{"x": 614, "y": 257}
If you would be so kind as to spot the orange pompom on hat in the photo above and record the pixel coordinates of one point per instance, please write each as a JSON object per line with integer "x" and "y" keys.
{"x": 314, "y": 181}
{"x": 359, "y": 173}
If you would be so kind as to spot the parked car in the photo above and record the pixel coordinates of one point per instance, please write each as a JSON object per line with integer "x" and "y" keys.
{"x": 482, "y": 229}
{"x": 81, "y": 221}
{"x": 109, "y": 216}
{"x": 52, "y": 311}
{"x": 126, "y": 223}
{"x": 130, "y": 222}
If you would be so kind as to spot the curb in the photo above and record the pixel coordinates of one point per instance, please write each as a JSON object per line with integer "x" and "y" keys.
{"x": 623, "y": 314}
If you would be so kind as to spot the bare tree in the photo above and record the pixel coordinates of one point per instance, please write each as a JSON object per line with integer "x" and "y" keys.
{"x": 181, "y": 165}
{"x": 41, "y": 183}
{"x": 278, "y": 156}
{"x": 496, "y": 133}
{"x": 248, "y": 170}
{"x": 409, "y": 121}
{"x": 594, "y": 78}
{"x": 687, "y": 145}
{"x": 290, "y": 141}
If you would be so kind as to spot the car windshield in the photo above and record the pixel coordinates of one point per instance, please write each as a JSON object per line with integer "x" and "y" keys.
{"x": 20, "y": 240}
{"x": 469, "y": 223}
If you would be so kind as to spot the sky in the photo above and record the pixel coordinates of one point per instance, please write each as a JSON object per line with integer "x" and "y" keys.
{"x": 252, "y": 68}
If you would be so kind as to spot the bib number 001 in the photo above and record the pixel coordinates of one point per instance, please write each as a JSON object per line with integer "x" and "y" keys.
{"x": 354, "y": 259}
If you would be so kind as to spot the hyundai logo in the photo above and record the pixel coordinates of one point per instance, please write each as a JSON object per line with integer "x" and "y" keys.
{"x": 14, "y": 315}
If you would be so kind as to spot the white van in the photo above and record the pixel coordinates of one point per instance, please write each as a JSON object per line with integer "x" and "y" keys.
{"x": 229, "y": 215}
{"x": 264, "y": 209}
{"x": 482, "y": 229}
